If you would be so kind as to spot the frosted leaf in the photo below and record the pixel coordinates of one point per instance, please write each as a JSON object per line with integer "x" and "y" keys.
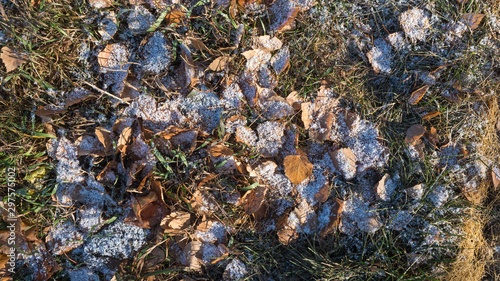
{"x": 216, "y": 233}
{"x": 380, "y": 56}
{"x": 399, "y": 220}
{"x": 280, "y": 187}
{"x": 396, "y": 40}
{"x": 113, "y": 61}
{"x": 90, "y": 219}
{"x": 344, "y": 161}
{"x": 312, "y": 185}
{"x": 233, "y": 95}
{"x": 157, "y": 54}
{"x": 281, "y": 60}
{"x": 283, "y": 12}
{"x": 64, "y": 151}
{"x": 203, "y": 110}
{"x": 415, "y": 24}
{"x": 248, "y": 86}
{"x": 439, "y": 196}
{"x": 246, "y": 136}
{"x": 63, "y": 238}
{"x": 118, "y": 240}
{"x": 211, "y": 252}
{"x": 256, "y": 59}
{"x": 108, "y": 26}
{"x": 385, "y": 188}
{"x": 415, "y": 192}
{"x": 156, "y": 118}
{"x": 275, "y": 108}
{"x": 266, "y": 42}
{"x": 234, "y": 122}
{"x": 271, "y": 137}
{"x": 140, "y": 19}
{"x": 266, "y": 79}
{"x": 357, "y": 214}
{"x": 235, "y": 270}
{"x": 82, "y": 274}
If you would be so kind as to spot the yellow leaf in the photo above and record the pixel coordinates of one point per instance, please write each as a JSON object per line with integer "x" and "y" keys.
{"x": 297, "y": 168}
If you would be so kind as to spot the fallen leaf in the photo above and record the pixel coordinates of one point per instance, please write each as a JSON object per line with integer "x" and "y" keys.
{"x": 414, "y": 133}
{"x": 297, "y": 168}
{"x": 382, "y": 190}
{"x": 472, "y": 20}
{"x": 99, "y": 4}
{"x": 294, "y": 100}
{"x": 192, "y": 252}
{"x": 198, "y": 44}
{"x": 429, "y": 115}
{"x": 103, "y": 136}
{"x": 203, "y": 202}
{"x": 322, "y": 194}
{"x": 175, "y": 16}
{"x": 254, "y": 201}
{"x": 496, "y": 178}
{"x": 432, "y": 136}
{"x": 175, "y": 222}
{"x": 124, "y": 139}
{"x": 267, "y": 43}
{"x": 287, "y": 236}
{"x": 77, "y": 96}
{"x": 335, "y": 206}
{"x": 305, "y": 114}
{"x": 12, "y": 58}
{"x": 220, "y": 150}
{"x": 108, "y": 173}
{"x": 220, "y": 63}
{"x": 417, "y": 95}
{"x": 49, "y": 111}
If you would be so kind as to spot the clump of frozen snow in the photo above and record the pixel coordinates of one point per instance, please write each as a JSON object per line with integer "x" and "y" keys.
{"x": 396, "y": 40}
{"x": 399, "y": 220}
{"x": 233, "y": 95}
{"x": 203, "y": 109}
{"x": 215, "y": 234}
{"x": 357, "y": 215}
{"x": 140, "y": 19}
{"x": 157, "y": 54}
{"x": 311, "y": 186}
{"x": 235, "y": 270}
{"x": 108, "y": 26}
{"x": 415, "y": 24}
{"x": 271, "y": 134}
{"x": 439, "y": 196}
{"x": 64, "y": 237}
{"x": 246, "y": 135}
{"x": 157, "y": 118}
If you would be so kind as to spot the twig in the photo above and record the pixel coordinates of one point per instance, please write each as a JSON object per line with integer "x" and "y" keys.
{"x": 106, "y": 93}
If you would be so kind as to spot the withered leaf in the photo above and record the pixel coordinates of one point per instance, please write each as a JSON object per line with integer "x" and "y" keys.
{"x": 220, "y": 150}
{"x": 198, "y": 44}
{"x": 100, "y": 3}
{"x": 297, "y": 168}
{"x": 417, "y": 95}
{"x": 472, "y": 20}
{"x": 103, "y": 136}
{"x": 381, "y": 188}
{"x": 305, "y": 114}
{"x": 414, "y": 133}
{"x": 322, "y": 194}
{"x": 12, "y": 58}
{"x": 336, "y": 206}
{"x": 124, "y": 139}
{"x": 496, "y": 178}
{"x": 220, "y": 63}
{"x": 287, "y": 236}
{"x": 254, "y": 201}
{"x": 432, "y": 136}
{"x": 177, "y": 220}
{"x": 429, "y": 115}
{"x": 192, "y": 253}
{"x": 48, "y": 111}
{"x": 294, "y": 100}
{"x": 175, "y": 16}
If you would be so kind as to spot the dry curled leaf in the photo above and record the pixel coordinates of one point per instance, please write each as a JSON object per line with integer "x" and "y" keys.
{"x": 344, "y": 161}
{"x": 176, "y": 221}
{"x": 220, "y": 63}
{"x": 287, "y": 236}
{"x": 48, "y": 111}
{"x": 335, "y": 206}
{"x": 254, "y": 201}
{"x": 220, "y": 150}
{"x": 414, "y": 133}
{"x": 297, "y": 168}
{"x": 472, "y": 20}
{"x": 429, "y": 115}
{"x": 198, "y": 44}
{"x": 12, "y": 58}
{"x": 103, "y": 136}
{"x": 417, "y": 95}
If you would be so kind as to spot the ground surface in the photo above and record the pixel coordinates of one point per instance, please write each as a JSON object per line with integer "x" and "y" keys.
{"x": 250, "y": 140}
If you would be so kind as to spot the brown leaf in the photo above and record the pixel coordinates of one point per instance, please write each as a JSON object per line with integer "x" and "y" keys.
{"x": 336, "y": 206}
{"x": 496, "y": 178}
{"x": 103, "y": 136}
{"x": 432, "y": 136}
{"x": 254, "y": 201}
{"x": 472, "y": 20}
{"x": 203, "y": 202}
{"x": 176, "y": 221}
{"x": 297, "y": 168}
{"x": 12, "y": 58}
{"x": 381, "y": 188}
{"x": 305, "y": 114}
{"x": 220, "y": 63}
{"x": 287, "y": 236}
{"x": 322, "y": 194}
{"x": 49, "y": 111}
{"x": 124, "y": 139}
{"x": 192, "y": 252}
{"x": 148, "y": 209}
{"x": 414, "y": 133}
{"x": 344, "y": 161}
{"x": 220, "y": 150}
{"x": 77, "y": 96}
{"x": 294, "y": 100}
{"x": 198, "y": 44}
{"x": 417, "y": 95}
{"x": 429, "y": 115}
{"x": 108, "y": 173}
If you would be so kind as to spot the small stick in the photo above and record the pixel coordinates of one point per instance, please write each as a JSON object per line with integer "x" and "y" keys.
{"x": 106, "y": 93}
